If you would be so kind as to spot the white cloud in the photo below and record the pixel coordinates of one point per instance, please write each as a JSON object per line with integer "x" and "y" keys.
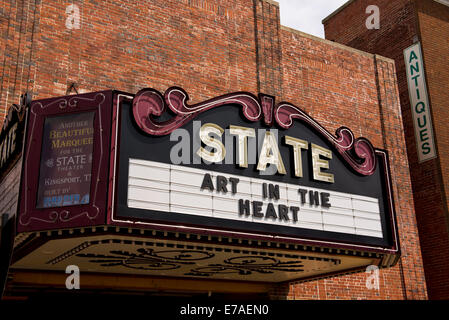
{"x": 306, "y": 15}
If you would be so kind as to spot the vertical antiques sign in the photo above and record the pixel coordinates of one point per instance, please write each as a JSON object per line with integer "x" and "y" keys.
{"x": 66, "y": 160}
{"x": 419, "y": 101}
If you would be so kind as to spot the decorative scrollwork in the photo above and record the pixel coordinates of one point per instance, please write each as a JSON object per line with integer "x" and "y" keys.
{"x": 149, "y": 103}
{"x": 359, "y": 153}
{"x": 248, "y": 265}
{"x": 63, "y": 216}
{"x": 148, "y": 259}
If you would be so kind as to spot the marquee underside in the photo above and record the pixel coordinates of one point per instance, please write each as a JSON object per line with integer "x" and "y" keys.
{"x": 119, "y": 253}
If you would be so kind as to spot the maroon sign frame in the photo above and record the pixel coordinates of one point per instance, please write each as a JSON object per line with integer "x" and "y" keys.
{"x": 94, "y": 213}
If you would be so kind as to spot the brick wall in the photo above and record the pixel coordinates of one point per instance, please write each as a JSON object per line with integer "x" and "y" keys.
{"x": 399, "y": 29}
{"x": 210, "y": 48}
{"x": 127, "y": 45}
{"x": 339, "y": 86}
{"x": 434, "y": 35}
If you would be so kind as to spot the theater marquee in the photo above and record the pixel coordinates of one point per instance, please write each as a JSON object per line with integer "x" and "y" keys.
{"x": 237, "y": 187}
{"x": 271, "y": 171}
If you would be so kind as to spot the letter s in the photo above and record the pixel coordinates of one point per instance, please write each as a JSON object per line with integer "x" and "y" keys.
{"x": 220, "y": 154}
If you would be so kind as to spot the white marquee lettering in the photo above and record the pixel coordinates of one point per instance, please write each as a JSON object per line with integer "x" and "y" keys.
{"x": 269, "y": 153}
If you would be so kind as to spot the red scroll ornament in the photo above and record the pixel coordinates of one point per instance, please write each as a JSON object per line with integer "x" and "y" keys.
{"x": 345, "y": 143}
{"x": 149, "y": 103}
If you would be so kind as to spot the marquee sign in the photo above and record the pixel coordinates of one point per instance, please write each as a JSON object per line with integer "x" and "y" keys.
{"x": 233, "y": 188}
{"x": 61, "y": 168}
{"x": 240, "y": 165}
{"x": 64, "y": 182}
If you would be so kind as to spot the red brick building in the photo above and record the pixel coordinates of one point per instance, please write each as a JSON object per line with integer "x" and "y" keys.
{"x": 402, "y": 24}
{"x": 211, "y": 48}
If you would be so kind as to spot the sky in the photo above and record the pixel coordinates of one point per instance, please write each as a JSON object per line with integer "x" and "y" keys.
{"x": 306, "y": 15}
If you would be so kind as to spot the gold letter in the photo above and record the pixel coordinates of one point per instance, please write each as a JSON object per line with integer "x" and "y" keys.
{"x": 270, "y": 146}
{"x": 319, "y": 163}
{"x": 242, "y": 133}
{"x": 220, "y": 154}
{"x": 297, "y": 145}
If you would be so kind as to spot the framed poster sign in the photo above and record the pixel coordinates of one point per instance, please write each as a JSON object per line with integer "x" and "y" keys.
{"x": 64, "y": 180}
{"x": 66, "y": 160}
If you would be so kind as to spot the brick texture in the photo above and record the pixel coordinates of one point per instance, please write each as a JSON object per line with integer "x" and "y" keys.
{"x": 210, "y": 48}
{"x": 403, "y": 22}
